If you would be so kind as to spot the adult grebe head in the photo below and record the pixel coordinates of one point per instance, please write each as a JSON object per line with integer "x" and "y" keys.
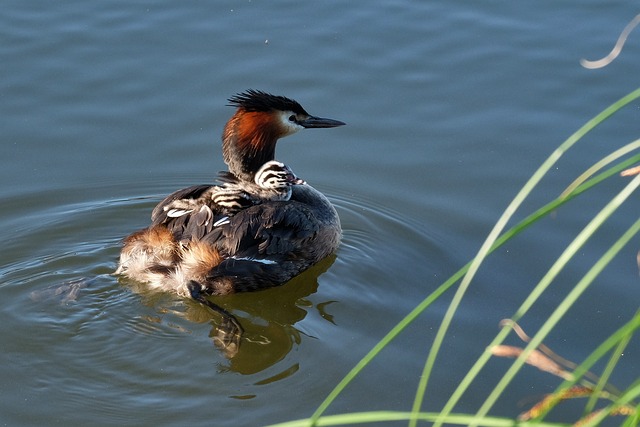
{"x": 250, "y": 136}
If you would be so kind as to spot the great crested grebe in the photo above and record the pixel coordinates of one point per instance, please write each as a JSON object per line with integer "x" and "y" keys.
{"x": 259, "y": 246}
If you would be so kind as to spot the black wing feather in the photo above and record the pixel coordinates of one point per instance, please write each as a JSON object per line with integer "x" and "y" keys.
{"x": 266, "y": 230}
{"x": 193, "y": 192}
{"x": 194, "y": 225}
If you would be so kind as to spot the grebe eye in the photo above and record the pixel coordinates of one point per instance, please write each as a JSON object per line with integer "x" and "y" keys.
{"x": 292, "y": 118}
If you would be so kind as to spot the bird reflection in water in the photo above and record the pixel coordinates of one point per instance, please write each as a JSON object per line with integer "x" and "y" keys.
{"x": 268, "y": 318}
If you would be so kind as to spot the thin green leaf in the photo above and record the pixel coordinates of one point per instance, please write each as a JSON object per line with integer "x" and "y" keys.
{"x": 606, "y": 374}
{"x": 369, "y": 418}
{"x": 600, "y": 164}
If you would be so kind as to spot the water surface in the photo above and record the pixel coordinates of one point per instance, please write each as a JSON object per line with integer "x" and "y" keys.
{"x": 108, "y": 106}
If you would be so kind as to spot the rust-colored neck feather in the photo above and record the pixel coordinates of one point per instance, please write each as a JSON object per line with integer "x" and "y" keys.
{"x": 249, "y": 141}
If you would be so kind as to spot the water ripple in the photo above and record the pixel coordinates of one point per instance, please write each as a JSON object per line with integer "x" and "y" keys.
{"x": 120, "y": 334}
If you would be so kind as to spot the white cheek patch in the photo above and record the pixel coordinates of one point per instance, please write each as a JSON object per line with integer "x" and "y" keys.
{"x": 291, "y": 127}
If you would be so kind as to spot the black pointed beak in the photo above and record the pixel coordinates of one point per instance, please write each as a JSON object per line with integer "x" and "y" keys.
{"x": 319, "y": 122}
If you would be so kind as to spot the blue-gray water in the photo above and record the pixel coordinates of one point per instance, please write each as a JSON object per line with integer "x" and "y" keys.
{"x": 105, "y": 107}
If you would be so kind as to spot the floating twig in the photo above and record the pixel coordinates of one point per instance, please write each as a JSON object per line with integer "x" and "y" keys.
{"x": 535, "y": 358}
{"x": 600, "y": 63}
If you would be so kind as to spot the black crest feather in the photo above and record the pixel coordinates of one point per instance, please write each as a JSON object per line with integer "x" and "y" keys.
{"x": 257, "y": 100}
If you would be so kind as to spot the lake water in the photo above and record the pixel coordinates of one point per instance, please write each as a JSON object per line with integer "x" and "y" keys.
{"x": 105, "y": 107}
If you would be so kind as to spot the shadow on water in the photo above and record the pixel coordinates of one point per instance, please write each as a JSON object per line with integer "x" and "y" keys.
{"x": 268, "y": 318}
